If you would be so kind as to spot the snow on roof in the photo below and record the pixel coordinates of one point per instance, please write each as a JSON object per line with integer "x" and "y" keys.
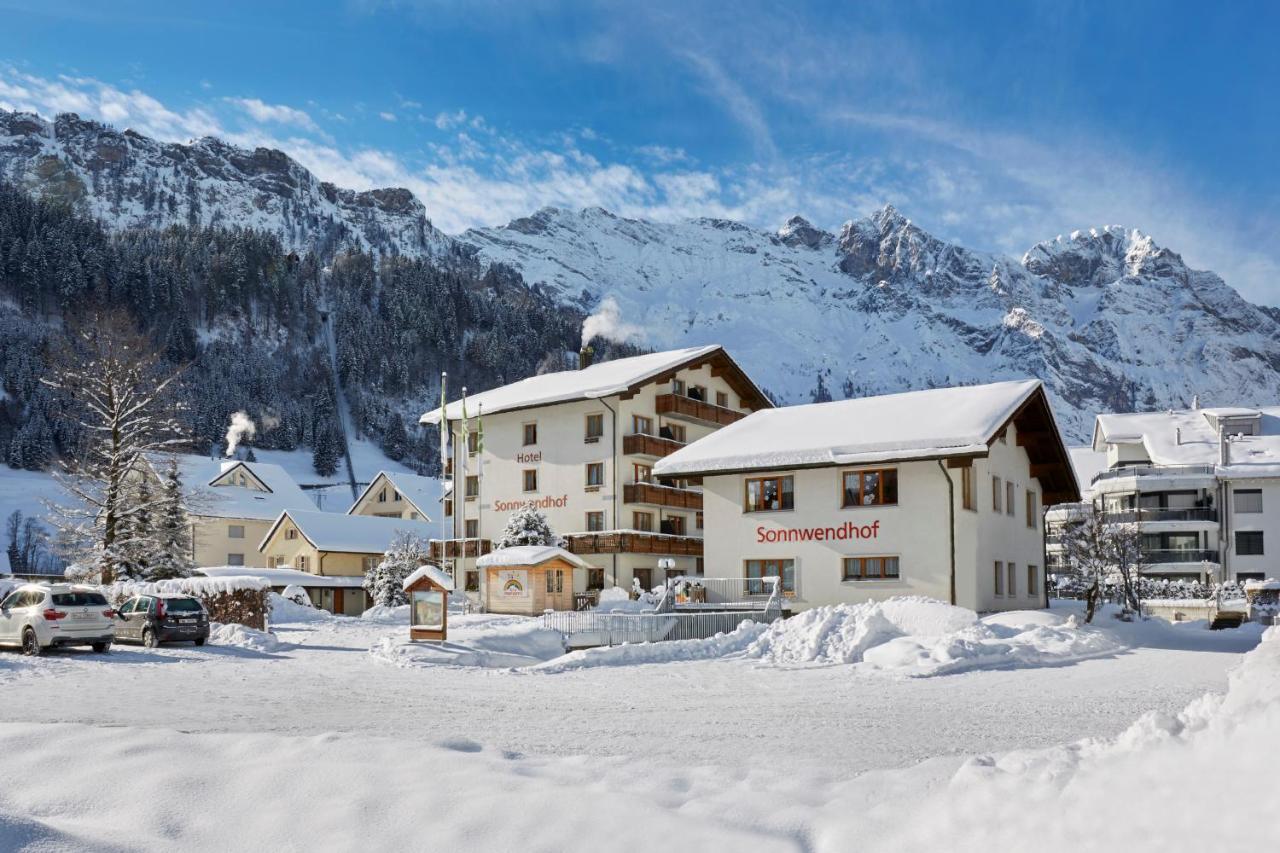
{"x": 912, "y": 425}
{"x": 1190, "y": 437}
{"x": 1260, "y": 586}
{"x": 1086, "y": 463}
{"x": 438, "y": 576}
{"x": 352, "y": 534}
{"x": 422, "y": 492}
{"x": 232, "y": 501}
{"x": 601, "y": 379}
{"x": 283, "y": 577}
{"x": 528, "y": 555}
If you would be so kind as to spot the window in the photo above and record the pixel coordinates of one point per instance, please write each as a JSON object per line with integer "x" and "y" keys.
{"x": 675, "y": 432}
{"x": 235, "y": 559}
{"x": 1249, "y": 543}
{"x": 770, "y": 494}
{"x": 291, "y": 533}
{"x": 472, "y": 486}
{"x": 999, "y": 576}
{"x": 1013, "y": 580}
{"x": 369, "y": 563}
{"x": 472, "y": 581}
{"x": 673, "y": 525}
{"x": 473, "y": 442}
{"x": 302, "y": 563}
{"x": 643, "y": 473}
{"x": 722, "y": 399}
{"x": 1008, "y": 498}
{"x": 471, "y": 528}
{"x": 235, "y": 531}
{"x": 555, "y": 580}
{"x": 276, "y": 561}
{"x": 1033, "y": 581}
{"x": 698, "y": 392}
{"x": 756, "y": 570}
{"x": 382, "y": 496}
{"x": 595, "y": 427}
{"x": 641, "y": 425}
{"x": 642, "y": 521}
{"x": 870, "y": 568}
{"x": 530, "y": 434}
{"x": 530, "y": 479}
{"x": 997, "y": 492}
{"x": 968, "y": 488}
{"x": 877, "y": 487}
{"x": 1031, "y": 509}
{"x": 595, "y": 522}
{"x": 448, "y": 507}
{"x": 595, "y": 580}
{"x": 595, "y": 475}
{"x": 1248, "y": 500}
{"x": 697, "y": 521}
{"x": 645, "y": 576}
{"x": 677, "y": 386}
{"x": 395, "y": 496}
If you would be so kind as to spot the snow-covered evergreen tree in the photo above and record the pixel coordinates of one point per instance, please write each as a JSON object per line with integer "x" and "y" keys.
{"x": 324, "y": 450}
{"x": 528, "y": 526}
{"x": 172, "y": 533}
{"x": 385, "y": 582}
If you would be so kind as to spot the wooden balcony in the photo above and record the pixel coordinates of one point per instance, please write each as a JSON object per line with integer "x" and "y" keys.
{"x": 699, "y": 411}
{"x": 670, "y": 496}
{"x": 634, "y": 542}
{"x": 649, "y": 445}
{"x": 455, "y": 548}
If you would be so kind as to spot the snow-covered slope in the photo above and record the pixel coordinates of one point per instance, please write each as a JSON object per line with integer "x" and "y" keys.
{"x": 128, "y": 180}
{"x": 1108, "y": 319}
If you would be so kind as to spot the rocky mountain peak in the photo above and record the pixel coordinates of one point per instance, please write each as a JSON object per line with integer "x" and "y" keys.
{"x": 798, "y": 231}
{"x": 1102, "y": 255}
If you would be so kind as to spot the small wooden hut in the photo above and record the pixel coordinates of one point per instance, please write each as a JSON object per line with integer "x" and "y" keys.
{"x": 428, "y": 589}
{"x": 526, "y": 580}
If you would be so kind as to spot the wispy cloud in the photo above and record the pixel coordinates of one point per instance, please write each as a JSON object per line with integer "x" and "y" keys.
{"x": 261, "y": 111}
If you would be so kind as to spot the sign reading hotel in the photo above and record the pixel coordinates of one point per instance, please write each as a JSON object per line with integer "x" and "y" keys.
{"x": 844, "y": 532}
{"x": 538, "y": 503}
{"x": 514, "y": 583}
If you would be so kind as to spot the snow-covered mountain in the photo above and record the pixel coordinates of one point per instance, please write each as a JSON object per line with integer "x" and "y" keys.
{"x": 129, "y": 181}
{"x": 1110, "y": 320}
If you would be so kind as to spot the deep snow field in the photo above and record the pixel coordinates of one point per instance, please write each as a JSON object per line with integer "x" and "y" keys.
{"x": 904, "y": 726}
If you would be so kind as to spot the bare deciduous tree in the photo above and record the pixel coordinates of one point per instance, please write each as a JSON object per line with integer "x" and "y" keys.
{"x": 1095, "y": 549}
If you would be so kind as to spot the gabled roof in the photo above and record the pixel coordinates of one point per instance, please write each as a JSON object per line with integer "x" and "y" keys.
{"x": 199, "y": 473}
{"x": 1190, "y": 437}
{"x": 933, "y": 424}
{"x": 422, "y": 492}
{"x": 603, "y": 379}
{"x": 438, "y": 576}
{"x": 529, "y": 555}
{"x": 349, "y": 534}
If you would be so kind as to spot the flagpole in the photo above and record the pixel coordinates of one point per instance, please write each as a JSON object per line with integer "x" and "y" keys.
{"x": 479, "y": 472}
{"x": 444, "y": 466}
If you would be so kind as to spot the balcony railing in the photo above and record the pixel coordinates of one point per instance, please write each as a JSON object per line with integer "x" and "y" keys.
{"x": 1153, "y": 471}
{"x": 634, "y": 542}
{"x": 450, "y": 549}
{"x": 1129, "y": 516}
{"x": 679, "y": 406}
{"x": 640, "y": 444}
{"x": 1179, "y": 555}
{"x": 670, "y": 496}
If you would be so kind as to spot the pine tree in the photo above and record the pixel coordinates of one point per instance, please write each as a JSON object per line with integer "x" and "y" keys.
{"x": 385, "y": 582}
{"x": 324, "y": 451}
{"x": 395, "y": 442}
{"x": 528, "y": 526}
{"x": 173, "y": 530}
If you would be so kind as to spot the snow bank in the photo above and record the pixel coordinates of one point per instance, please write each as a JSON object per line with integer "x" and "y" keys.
{"x": 615, "y": 599}
{"x": 241, "y": 637}
{"x": 398, "y": 614}
{"x": 284, "y": 611}
{"x": 487, "y": 641}
{"x": 727, "y": 645}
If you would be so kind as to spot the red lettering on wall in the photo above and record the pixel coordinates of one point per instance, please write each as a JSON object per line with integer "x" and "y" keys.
{"x": 846, "y": 531}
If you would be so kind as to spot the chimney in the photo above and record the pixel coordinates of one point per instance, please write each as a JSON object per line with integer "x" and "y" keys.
{"x": 584, "y": 357}
{"x": 1224, "y": 447}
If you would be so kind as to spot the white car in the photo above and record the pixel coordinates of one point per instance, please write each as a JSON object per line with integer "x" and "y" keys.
{"x": 35, "y": 617}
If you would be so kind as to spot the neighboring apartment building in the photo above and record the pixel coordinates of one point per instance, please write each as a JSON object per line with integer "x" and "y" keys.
{"x": 936, "y": 493}
{"x": 405, "y": 496}
{"x": 581, "y": 445}
{"x": 1203, "y": 485}
{"x": 231, "y": 505}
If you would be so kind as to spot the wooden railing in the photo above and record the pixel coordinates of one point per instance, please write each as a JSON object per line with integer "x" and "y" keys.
{"x": 652, "y": 493}
{"x": 640, "y": 444}
{"x": 629, "y": 542}
{"x": 678, "y": 405}
{"x": 454, "y": 548}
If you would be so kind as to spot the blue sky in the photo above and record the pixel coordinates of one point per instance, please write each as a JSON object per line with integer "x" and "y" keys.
{"x": 994, "y": 124}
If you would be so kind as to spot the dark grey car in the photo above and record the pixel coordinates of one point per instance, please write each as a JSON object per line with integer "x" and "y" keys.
{"x": 155, "y": 619}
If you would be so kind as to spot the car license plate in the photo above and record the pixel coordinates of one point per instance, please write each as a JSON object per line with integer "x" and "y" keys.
{"x": 186, "y": 621}
{"x": 85, "y": 615}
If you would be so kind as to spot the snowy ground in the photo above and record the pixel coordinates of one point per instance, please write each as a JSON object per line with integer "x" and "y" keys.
{"x": 341, "y": 736}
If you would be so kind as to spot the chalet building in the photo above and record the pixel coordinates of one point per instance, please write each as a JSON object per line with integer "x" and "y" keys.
{"x": 406, "y": 496}
{"x": 333, "y": 545}
{"x": 1202, "y": 484}
{"x": 581, "y": 446}
{"x": 231, "y": 505}
{"x": 937, "y": 493}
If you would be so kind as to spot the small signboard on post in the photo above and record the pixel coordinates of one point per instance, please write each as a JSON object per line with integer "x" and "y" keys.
{"x": 428, "y": 589}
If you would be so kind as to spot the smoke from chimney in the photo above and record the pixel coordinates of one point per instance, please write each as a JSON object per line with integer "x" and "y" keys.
{"x": 607, "y": 323}
{"x": 241, "y": 428}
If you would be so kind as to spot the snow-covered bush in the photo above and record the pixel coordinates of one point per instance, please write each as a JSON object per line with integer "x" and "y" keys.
{"x": 385, "y": 582}
{"x": 528, "y": 526}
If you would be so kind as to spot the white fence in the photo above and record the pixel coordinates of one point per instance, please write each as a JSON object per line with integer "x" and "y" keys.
{"x": 593, "y": 628}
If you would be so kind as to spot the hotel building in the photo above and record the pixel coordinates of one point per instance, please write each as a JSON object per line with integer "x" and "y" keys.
{"x": 581, "y": 445}
{"x": 937, "y": 493}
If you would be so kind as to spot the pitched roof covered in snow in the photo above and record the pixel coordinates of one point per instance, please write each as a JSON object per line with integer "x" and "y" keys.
{"x": 602, "y": 379}
{"x": 529, "y": 555}
{"x": 438, "y": 576}
{"x": 931, "y": 424}
{"x": 422, "y": 492}
{"x": 349, "y": 534}
{"x": 212, "y": 489}
{"x": 1191, "y": 437}
{"x": 1087, "y": 463}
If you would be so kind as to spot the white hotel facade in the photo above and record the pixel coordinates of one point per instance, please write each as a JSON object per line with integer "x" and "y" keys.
{"x": 581, "y": 445}
{"x": 937, "y": 493}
